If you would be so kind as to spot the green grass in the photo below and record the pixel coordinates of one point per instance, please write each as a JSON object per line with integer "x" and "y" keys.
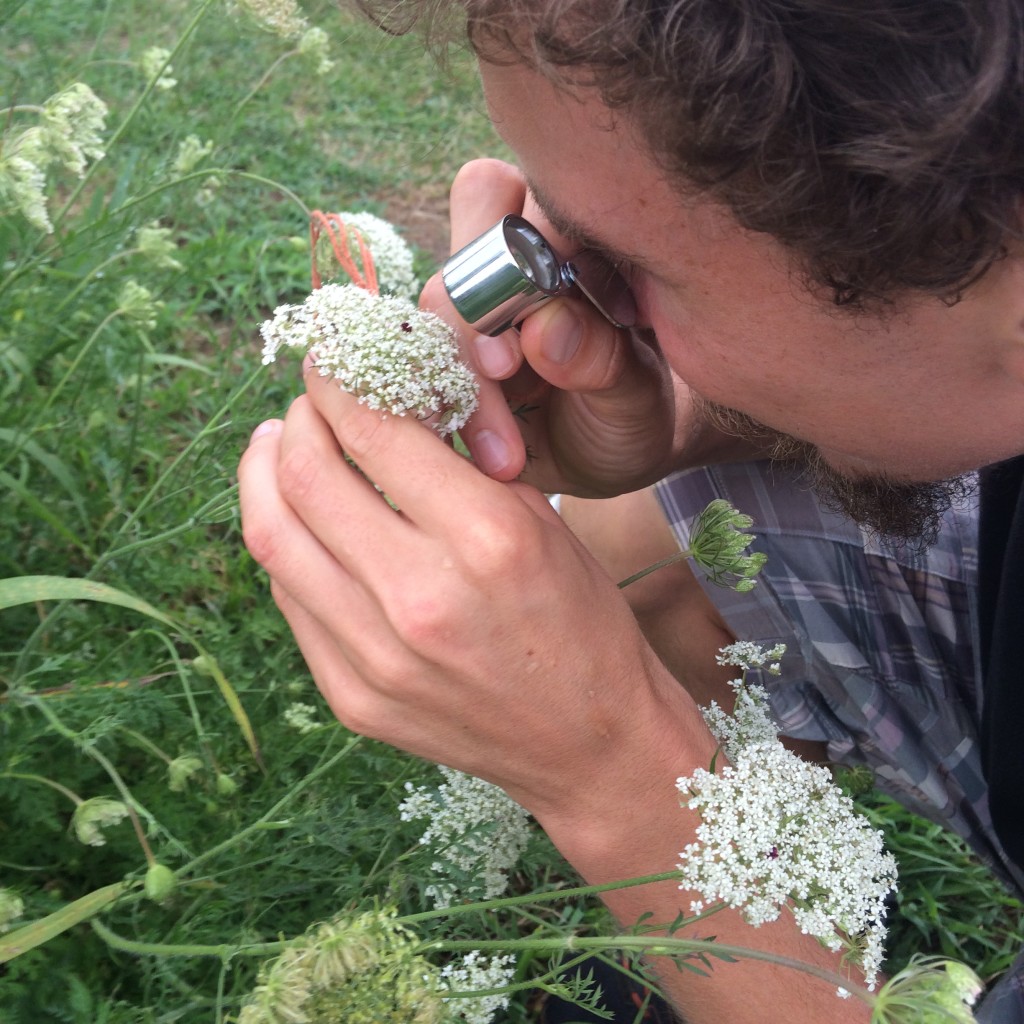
{"x": 118, "y": 447}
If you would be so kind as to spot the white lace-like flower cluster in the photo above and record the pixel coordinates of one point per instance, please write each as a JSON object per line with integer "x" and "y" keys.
{"x": 477, "y": 973}
{"x": 74, "y": 120}
{"x": 391, "y": 355}
{"x": 392, "y": 257}
{"x": 315, "y": 46}
{"x": 191, "y": 152}
{"x": 69, "y": 133}
{"x": 303, "y": 718}
{"x": 153, "y": 65}
{"x": 477, "y": 831}
{"x": 284, "y": 18}
{"x": 777, "y": 831}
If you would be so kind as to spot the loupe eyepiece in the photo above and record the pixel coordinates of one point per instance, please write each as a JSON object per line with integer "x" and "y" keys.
{"x": 511, "y": 270}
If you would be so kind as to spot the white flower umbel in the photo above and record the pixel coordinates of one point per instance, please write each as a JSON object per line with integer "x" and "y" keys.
{"x": 302, "y": 718}
{"x": 776, "y": 831}
{"x": 154, "y": 67}
{"x": 477, "y": 831}
{"x": 73, "y": 121}
{"x": 391, "y": 355}
{"x": 191, "y": 152}
{"x": 23, "y": 162}
{"x": 392, "y": 257}
{"x": 315, "y": 46}
{"x": 284, "y": 18}
{"x": 477, "y": 973}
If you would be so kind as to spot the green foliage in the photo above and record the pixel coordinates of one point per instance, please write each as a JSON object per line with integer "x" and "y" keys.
{"x": 947, "y": 903}
{"x": 129, "y": 382}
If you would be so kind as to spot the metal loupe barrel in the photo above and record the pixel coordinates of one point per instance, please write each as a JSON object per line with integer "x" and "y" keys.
{"x": 495, "y": 279}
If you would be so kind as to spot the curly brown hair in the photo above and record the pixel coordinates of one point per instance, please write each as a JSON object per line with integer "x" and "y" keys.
{"x": 882, "y": 140}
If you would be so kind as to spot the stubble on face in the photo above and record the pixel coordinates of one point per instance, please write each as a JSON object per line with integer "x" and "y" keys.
{"x": 897, "y": 511}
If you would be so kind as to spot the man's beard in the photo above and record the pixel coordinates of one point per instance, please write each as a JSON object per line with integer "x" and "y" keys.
{"x": 904, "y": 513}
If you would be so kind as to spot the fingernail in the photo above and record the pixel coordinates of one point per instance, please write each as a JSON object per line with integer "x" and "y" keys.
{"x": 494, "y": 357}
{"x": 490, "y": 452}
{"x": 561, "y": 334}
{"x": 266, "y": 427}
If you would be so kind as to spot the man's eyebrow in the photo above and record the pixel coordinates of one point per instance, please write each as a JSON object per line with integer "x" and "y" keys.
{"x": 575, "y": 232}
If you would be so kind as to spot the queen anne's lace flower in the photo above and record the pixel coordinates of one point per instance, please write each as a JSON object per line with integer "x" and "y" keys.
{"x": 181, "y": 770}
{"x": 475, "y": 828}
{"x": 383, "y": 349}
{"x": 191, "y": 150}
{"x": 775, "y": 831}
{"x": 930, "y": 990}
{"x": 23, "y": 162}
{"x": 475, "y": 972}
{"x": 157, "y": 245}
{"x": 153, "y": 63}
{"x": 392, "y": 257}
{"x": 719, "y": 546}
{"x": 745, "y": 654}
{"x": 92, "y": 816}
{"x": 361, "y": 969}
{"x": 282, "y": 17}
{"x": 136, "y": 303}
{"x": 315, "y": 46}
{"x": 302, "y": 718}
{"x": 73, "y": 121}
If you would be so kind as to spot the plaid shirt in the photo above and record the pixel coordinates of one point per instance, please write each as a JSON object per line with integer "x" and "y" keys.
{"x": 882, "y": 659}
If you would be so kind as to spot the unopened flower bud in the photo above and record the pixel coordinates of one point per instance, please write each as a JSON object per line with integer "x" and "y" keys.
{"x": 160, "y": 882}
{"x": 91, "y": 816}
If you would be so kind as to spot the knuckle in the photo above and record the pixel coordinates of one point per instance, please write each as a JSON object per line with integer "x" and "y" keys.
{"x": 364, "y": 433}
{"x": 496, "y": 543}
{"x": 424, "y": 624}
{"x": 298, "y": 473}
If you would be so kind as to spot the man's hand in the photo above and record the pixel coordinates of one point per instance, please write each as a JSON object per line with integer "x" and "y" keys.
{"x": 469, "y": 627}
{"x": 570, "y": 403}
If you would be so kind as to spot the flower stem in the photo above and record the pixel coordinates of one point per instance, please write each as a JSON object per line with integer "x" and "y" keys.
{"x": 535, "y": 897}
{"x": 679, "y": 556}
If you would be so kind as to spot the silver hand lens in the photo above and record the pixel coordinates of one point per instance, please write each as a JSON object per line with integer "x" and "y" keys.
{"x": 511, "y": 270}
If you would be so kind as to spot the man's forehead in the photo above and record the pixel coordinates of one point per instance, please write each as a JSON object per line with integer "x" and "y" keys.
{"x": 580, "y": 233}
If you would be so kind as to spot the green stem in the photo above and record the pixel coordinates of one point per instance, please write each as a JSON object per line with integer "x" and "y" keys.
{"x": 94, "y": 272}
{"x": 21, "y": 108}
{"x": 646, "y": 945}
{"x": 649, "y": 946}
{"x": 146, "y": 743}
{"x": 271, "y": 814}
{"x": 29, "y": 777}
{"x": 543, "y": 897}
{"x": 223, "y": 951}
{"x": 262, "y": 82}
{"x": 679, "y": 556}
{"x": 90, "y": 751}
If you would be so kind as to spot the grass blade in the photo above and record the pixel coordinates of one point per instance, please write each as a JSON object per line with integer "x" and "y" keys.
{"x": 35, "y": 934}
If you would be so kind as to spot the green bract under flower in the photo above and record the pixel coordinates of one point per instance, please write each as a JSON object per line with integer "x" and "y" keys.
{"x": 391, "y": 355}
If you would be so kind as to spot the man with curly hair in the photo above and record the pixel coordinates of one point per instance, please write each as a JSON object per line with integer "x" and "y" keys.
{"x": 817, "y": 205}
